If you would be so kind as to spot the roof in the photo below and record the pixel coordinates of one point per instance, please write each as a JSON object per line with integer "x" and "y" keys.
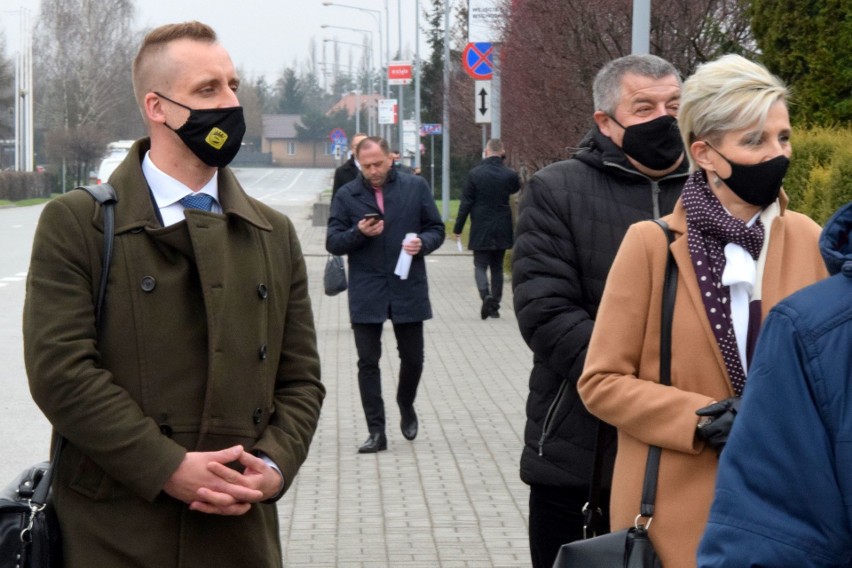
{"x": 277, "y": 126}
{"x": 349, "y": 102}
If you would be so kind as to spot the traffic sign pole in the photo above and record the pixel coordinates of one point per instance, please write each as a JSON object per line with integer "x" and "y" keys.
{"x": 496, "y": 99}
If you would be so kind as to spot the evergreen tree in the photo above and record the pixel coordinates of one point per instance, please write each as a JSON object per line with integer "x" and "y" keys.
{"x": 291, "y": 100}
{"x": 808, "y": 43}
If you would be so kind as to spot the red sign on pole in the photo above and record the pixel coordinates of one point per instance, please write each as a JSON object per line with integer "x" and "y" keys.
{"x": 399, "y": 73}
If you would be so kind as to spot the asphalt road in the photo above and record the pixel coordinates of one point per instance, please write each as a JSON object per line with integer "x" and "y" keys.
{"x": 24, "y": 432}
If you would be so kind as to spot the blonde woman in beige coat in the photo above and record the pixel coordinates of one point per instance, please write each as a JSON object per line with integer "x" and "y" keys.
{"x": 739, "y": 250}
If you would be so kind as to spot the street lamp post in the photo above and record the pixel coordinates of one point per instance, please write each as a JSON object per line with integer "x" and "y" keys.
{"x": 417, "y": 85}
{"x": 376, "y": 14}
{"x": 358, "y": 91}
{"x": 24, "y": 96}
{"x": 369, "y": 65}
{"x": 399, "y": 103}
{"x": 445, "y": 146}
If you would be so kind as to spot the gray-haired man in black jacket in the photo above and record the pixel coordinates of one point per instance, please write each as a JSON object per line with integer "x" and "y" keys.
{"x": 572, "y": 219}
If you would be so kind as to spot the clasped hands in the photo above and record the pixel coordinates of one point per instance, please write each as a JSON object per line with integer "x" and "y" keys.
{"x": 208, "y": 485}
{"x": 716, "y": 428}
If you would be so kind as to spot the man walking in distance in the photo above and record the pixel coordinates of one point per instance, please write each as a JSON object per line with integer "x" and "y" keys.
{"x": 572, "y": 219}
{"x": 375, "y": 219}
{"x": 348, "y": 170}
{"x": 486, "y": 200}
{"x": 189, "y": 413}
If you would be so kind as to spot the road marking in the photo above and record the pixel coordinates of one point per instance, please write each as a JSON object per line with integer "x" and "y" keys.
{"x": 263, "y": 198}
{"x": 12, "y": 279}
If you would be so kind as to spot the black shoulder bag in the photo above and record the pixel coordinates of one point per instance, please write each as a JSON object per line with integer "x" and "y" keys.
{"x": 629, "y": 548}
{"x": 29, "y": 529}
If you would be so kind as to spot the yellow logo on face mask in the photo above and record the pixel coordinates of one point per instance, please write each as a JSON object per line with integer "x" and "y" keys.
{"x": 217, "y": 138}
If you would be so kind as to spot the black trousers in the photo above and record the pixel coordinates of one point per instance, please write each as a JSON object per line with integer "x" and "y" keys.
{"x": 368, "y": 342}
{"x": 556, "y": 517}
{"x": 484, "y": 260}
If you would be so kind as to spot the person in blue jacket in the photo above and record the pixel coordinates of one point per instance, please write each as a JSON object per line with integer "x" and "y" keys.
{"x": 784, "y": 490}
{"x": 373, "y": 218}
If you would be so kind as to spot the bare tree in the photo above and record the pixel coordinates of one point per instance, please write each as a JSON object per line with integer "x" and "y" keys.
{"x": 7, "y": 96}
{"x": 83, "y": 51}
{"x": 552, "y": 51}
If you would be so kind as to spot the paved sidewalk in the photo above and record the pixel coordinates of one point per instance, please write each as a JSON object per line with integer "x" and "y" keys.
{"x": 451, "y": 498}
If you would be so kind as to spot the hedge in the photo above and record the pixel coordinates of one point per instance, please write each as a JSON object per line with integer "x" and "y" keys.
{"x": 17, "y": 186}
{"x": 819, "y": 180}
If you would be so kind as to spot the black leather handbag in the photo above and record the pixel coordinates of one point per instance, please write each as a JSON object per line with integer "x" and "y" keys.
{"x": 29, "y": 529}
{"x": 631, "y": 547}
{"x": 334, "y": 279}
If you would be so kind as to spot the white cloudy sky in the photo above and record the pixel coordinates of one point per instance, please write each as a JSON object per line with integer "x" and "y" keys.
{"x": 264, "y": 36}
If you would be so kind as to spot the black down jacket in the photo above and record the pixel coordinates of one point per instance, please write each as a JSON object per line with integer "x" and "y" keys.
{"x": 486, "y": 200}
{"x": 572, "y": 219}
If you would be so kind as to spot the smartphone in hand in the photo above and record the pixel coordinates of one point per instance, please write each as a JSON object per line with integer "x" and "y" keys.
{"x": 373, "y": 217}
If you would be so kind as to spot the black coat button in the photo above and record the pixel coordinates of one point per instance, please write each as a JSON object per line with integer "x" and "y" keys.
{"x": 262, "y": 352}
{"x": 148, "y": 283}
{"x": 257, "y": 415}
{"x": 262, "y": 291}
{"x": 166, "y": 430}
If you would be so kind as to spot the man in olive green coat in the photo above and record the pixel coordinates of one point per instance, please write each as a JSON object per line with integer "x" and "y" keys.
{"x": 189, "y": 414}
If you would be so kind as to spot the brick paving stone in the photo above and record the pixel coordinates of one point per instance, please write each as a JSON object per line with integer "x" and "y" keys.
{"x": 451, "y": 498}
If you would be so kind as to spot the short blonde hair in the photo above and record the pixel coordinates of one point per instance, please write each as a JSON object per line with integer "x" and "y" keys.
{"x": 146, "y": 61}
{"x": 730, "y": 93}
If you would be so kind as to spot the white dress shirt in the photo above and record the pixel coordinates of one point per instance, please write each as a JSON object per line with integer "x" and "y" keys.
{"x": 168, "y": 192}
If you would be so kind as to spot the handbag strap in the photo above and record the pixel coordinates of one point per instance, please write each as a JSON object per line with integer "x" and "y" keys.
{"x": 591, "y": 511}
{"x": 652, "y": 467}
{"x": 105, "y": 195}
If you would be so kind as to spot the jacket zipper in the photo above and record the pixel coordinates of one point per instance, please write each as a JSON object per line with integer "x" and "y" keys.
{"x": 548, "y": 418}
{"x": 655, "y": 184}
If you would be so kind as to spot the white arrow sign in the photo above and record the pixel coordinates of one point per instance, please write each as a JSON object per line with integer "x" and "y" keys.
{"x": 482, "y": 104}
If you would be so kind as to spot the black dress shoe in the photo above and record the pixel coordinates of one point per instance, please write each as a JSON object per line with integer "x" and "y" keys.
{"x": 377, "y": 442}
{"x": 493, "y": 308}
{"x": 408, "y": 422}
{"x": 485, "y": 310}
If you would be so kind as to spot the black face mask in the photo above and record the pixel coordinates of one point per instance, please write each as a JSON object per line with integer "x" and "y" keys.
{"x": 655, "y": 144}
{"x": 757, "y": 184}
{"x": 213, "y": 134}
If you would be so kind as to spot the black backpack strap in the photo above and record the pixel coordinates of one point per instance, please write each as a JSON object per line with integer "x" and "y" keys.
{"x": 105, "y": 195}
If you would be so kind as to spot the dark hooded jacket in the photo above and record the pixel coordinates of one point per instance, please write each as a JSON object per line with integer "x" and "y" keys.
{"x": 572, "y": 219}
{"x": 771, "y": 509}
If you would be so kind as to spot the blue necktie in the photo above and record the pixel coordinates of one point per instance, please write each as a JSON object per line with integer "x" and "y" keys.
{"x": 198, "y": 201}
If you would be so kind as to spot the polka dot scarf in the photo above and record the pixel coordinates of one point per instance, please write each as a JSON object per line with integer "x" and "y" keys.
{"x": 709, "y": 227}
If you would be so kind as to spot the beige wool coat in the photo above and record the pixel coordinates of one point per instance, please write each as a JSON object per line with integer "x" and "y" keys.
{"x": 208, "y": 342}
{"x": 620, "y": 381}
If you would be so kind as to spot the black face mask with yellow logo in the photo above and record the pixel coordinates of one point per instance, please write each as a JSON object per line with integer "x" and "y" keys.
{"x": 213, "y": 134}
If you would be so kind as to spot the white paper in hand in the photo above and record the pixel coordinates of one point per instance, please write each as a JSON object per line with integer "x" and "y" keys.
{"x": 403, "y": 264}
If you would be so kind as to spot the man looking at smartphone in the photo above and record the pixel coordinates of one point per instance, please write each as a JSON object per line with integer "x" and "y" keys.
{"x": 374, "y": 218}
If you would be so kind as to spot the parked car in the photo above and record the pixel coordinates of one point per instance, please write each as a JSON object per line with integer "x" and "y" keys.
{"x": 116, "y": 152}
